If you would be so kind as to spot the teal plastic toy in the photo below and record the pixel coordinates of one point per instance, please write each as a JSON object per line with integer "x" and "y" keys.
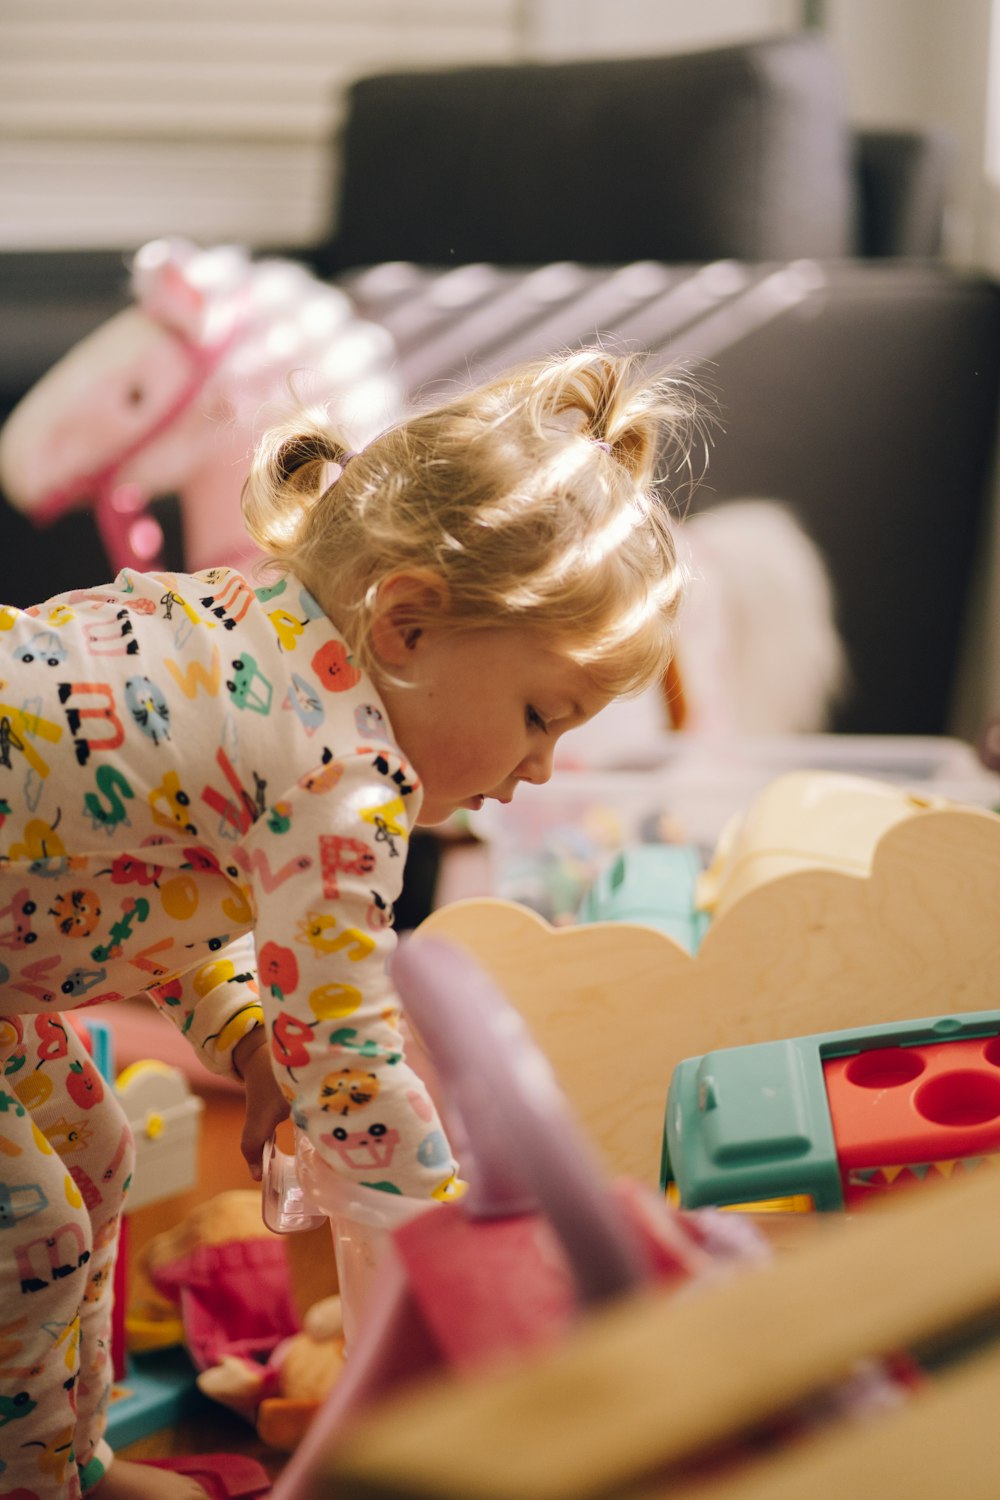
{"x": 825, "y": 1122}
{"x": 653, "y": 884}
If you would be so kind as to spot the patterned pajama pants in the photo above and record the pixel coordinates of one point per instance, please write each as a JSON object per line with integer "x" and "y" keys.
{"x": 66, "y": 1158}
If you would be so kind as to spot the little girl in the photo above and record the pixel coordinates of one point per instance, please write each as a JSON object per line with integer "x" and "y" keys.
{"x": 207, "y": 789}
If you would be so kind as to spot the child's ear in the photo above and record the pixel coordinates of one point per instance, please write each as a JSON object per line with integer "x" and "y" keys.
{"x": 405, "y": 605}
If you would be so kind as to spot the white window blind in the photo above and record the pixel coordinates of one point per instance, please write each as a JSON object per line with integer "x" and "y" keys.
{"x": 122, "y": 120}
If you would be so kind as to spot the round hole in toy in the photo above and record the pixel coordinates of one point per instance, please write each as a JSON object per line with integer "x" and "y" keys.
{"x": 884, "y": 1068}
{"x": 961, "y": 1098}
{"x": 991, "y": 1052}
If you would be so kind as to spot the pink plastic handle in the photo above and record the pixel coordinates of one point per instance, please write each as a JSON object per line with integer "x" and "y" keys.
{"x": 526, "y": 1145}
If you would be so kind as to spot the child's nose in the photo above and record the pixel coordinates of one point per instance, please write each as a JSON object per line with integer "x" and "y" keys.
{"x": 537, "y": 767}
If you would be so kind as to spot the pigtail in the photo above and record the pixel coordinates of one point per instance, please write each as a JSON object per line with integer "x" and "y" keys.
{"x": 656, "y": 428}
{"x": 289, "y": 474}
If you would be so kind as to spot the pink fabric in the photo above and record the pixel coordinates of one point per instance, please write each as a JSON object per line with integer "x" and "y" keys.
{"x": 235, "y": 1299}
{"x": 486, "y": 1288}
{"x": 225, "y": 1476}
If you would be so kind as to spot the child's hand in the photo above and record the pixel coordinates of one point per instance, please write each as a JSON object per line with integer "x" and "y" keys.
{"x": 266, "y": 1105}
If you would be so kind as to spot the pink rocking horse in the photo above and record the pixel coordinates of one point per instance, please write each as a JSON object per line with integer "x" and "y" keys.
{"x": 169, "y": 396}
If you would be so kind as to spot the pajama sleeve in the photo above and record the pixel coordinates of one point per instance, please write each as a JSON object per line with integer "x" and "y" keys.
{"x": 215, "y": 1003}
{"x": 325, "y": 865}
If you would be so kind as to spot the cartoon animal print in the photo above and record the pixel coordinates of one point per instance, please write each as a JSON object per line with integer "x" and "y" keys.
{"x": 41, "y": 842}
{"x": 370, "y": 721}
{"x": 19, "y": 912}
{"x": 334, "y": 667}
{"x": 346, "y": 1090}
{"x": 79, "y": 981}
{"x": 13, "y": 1407}
{"x": 67, "y": 1136}
{"x": 364, "y": 1150}
{"x": 97, "y": 1283}
{"x": 111, "y": 637}
{"x": 148, "y": 708}
{"x": 402, "y": 776}
{"x": 56, "y": 1456}
{"x": 77, "y": 912}
{"x": 170, "y": 805}
{"x": 231, "y": 601}
{"x": 379, "y": 914}
{"x": 248, "y": 687}
{"x": 325, "y": 776}
{"x": 302, "y": 700}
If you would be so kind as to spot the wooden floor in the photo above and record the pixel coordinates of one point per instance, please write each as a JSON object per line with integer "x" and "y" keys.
{"x": 218, "y": 1431}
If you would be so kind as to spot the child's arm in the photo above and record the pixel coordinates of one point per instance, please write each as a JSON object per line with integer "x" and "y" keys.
{"x": 266, "y": 1105}
{"x": 325, "y": 876}
{"x": 215, "y": 1003}
{"x": 216, "y": 1007}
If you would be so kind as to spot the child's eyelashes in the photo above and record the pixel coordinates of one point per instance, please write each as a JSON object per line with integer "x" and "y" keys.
{"x": 535, "y": 720}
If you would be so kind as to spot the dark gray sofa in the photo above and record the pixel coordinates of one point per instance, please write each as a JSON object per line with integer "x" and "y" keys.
{"x": 715, "y": 207}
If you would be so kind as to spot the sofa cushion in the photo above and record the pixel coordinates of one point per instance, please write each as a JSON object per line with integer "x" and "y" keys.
{"x": 740, "y": 152}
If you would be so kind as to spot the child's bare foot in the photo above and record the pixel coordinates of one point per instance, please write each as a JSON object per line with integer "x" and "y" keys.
{"x": 130, "y": 1481}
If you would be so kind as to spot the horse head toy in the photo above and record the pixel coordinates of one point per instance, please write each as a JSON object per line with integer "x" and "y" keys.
{"x": 169, "y": 396}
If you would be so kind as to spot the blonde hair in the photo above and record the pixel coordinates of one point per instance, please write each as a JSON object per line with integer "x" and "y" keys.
{"x": 531, "y": 498}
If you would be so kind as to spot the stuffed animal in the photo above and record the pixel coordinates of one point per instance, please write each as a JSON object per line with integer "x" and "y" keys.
{"x": 168, "y": 397}
{"x": 758, "y": 651}
{"x": 260, "y": 1312}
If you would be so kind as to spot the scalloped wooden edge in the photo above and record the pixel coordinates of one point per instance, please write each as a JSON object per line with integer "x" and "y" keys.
{"x": 615, "y": 1006}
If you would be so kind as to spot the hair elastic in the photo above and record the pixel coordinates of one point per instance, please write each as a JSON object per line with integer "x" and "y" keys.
{"x": 602, "y": 444}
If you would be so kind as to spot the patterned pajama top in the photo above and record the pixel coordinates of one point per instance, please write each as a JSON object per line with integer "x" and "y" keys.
{"x": 200, "y": 797}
